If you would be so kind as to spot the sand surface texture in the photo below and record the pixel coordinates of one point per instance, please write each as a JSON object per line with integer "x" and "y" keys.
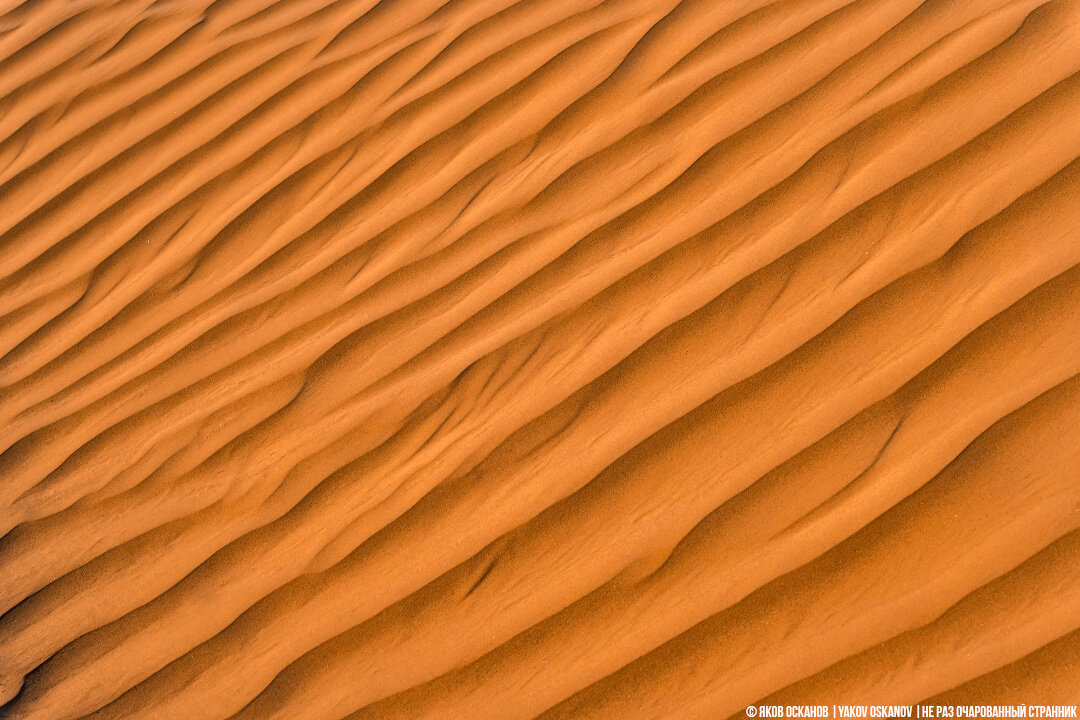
{"x": 542, "y": 358}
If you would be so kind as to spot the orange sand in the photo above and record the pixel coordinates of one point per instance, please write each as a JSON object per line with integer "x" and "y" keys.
{"x": 537, "y": 358}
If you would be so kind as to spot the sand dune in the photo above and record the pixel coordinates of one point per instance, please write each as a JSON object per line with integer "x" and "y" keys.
{"x": 537, "y": 358}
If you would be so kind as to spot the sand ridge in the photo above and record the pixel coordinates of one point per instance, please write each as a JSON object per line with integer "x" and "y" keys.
{"x": 537, "y": 358}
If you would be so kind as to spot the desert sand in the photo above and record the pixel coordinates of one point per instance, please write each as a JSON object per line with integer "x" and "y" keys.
{"x": 544, "y": 359}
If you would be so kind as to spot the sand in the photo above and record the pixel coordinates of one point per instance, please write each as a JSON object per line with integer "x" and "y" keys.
{"x": 544, "y": 359}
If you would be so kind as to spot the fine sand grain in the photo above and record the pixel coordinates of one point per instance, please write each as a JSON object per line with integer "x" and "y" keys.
{"x": 511, "y": 359}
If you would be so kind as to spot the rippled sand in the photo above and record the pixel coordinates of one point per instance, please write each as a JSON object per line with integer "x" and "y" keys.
{"x": 540, "y": 358}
